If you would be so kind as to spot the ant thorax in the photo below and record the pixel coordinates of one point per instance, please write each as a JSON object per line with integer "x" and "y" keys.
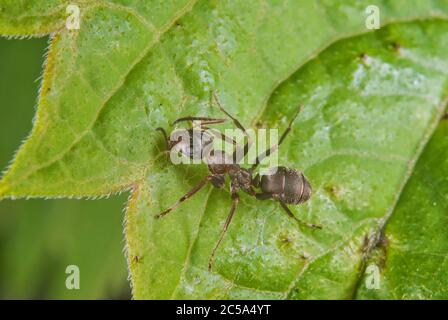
{"x": 221, "y": 163}
{"x": 243, "y": 178}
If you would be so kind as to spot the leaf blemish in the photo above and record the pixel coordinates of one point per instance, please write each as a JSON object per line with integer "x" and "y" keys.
{"x": 365, "y": 58}
{"x": 382, "y": 245}
{"x": 333, "y": 191}
{"x": 305, "y": 256}
{"x": 396, "y": 47}
{"x": 365, "y": 243}
{"x": 285, "y": 241}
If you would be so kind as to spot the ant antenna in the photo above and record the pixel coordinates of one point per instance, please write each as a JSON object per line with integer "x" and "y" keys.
{"x": 268, "y": 152}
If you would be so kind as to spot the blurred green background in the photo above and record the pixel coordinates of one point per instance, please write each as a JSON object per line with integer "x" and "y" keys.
{"x": 40, "y": 238}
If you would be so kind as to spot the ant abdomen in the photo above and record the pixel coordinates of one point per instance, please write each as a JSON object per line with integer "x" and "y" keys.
{"x": 286, "y": 185}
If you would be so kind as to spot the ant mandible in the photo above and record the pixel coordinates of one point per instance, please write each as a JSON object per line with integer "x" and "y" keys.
{"x": 284, "y": 185}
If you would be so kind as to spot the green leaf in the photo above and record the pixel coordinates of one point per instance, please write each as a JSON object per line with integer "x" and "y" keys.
{"x": 372, "y": 102}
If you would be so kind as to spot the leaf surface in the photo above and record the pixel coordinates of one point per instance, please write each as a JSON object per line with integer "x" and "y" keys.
{"x": 372, "y": 102}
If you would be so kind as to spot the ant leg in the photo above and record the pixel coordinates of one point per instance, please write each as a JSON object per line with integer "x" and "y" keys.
{"x": 204, "y": 120}
{"x": 290, "y": 214}
{"x": 218, "y": 181}
{"x": 239, "y": 126}
{"x": 235, "y": 121}
{"x": 235, "y": 200}
{"x": 162, "y": 153}
{"x": 185, "y": 197}
{"x": 165, "y": 136}
{"x": 268, "y": 152}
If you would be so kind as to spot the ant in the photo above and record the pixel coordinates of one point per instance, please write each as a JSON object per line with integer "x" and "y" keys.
{"x": 284, "y": 185}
